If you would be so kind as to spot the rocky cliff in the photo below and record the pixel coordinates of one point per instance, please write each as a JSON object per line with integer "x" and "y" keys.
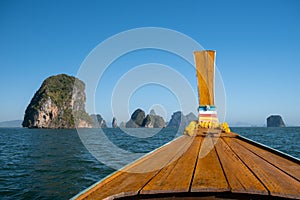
{"x": 114, "y": 123}
{"x": 159, "y": 122}
{"x": 178, "y": 120}
{"x": 275, "y": 121}
{"x": 122, "y": 125}
{"x": 136, "y": 119}
{"x": 98, "y": 121}
{"x": 59, "y": 103}
{"x": 152, "y": 120}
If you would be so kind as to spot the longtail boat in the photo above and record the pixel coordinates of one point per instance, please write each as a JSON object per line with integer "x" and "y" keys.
{"x": 207, "y": 162}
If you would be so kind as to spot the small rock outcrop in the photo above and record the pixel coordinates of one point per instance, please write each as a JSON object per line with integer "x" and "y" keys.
{"x": 159, "y": 122}
{"x": 190, "y": 117}
{"x": 178, "y": 120}
{"x": 138, "y": 119}
{"x": 275, "y": 121}
{"x": 114, "y": 123}
{"x": 122, "y": 125}
{"x": 152, "y": 112}
{"x": 148, "y": 122}
{"x": 59, "y": 103}
{"x": 98, "y": 121}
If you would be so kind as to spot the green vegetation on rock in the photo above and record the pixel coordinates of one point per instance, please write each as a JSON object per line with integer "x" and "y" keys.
{"x": 59, "y": 103}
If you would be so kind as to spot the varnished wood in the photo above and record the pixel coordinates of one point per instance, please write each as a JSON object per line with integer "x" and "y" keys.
{"x": 171, "y": 178}
{"x": 287, "y": 166}
{"x": 132, "y": 178}
{"x": 205, "y": 66}
{"x": 240, "y": 178}
{"x": 209, "y": 176}
{"x": 213, "y": 132}
{"x": 206, "y": 163}
{"x": 276, "y": 181}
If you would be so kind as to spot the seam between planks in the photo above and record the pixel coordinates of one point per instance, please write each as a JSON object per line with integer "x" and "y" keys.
{"x": 270, "y": 149}
{"x": 269, "y": 193}
{"x": 194, "y": 171}
{"x": 139, "y": 191}
{"x": 137, "y": 162}
{"x": 296, "y": 178}
{"x": 106, "y": 180}
{"x": 221, "y": 164}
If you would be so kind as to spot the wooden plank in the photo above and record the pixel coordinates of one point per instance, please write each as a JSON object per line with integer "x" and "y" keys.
{"x": 240, "y": 178}
{"x": 209, "y": 176}
{"x": 159, "y": 158}
{"x": 146, "y": 162}
{"x": 177, "y": 176}
{"x": 128, "y": 183}
{"x": 287, "y": 166}
{"x": 277, "y": 182}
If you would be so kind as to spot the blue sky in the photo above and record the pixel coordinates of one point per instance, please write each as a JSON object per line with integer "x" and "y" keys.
{"x": 257, "y": 44}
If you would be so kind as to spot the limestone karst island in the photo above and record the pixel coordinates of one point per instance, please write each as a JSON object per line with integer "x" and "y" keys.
{"x": 55, "y": 104}
{"x": 60, "y": 103}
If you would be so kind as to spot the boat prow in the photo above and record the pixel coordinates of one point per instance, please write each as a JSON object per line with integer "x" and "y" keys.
{"x": 204, "y": 166}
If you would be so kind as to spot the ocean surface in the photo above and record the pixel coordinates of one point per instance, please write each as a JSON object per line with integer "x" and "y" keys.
{"x": 56, "y": 164}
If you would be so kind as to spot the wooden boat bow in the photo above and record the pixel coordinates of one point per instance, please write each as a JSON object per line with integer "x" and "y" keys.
{"x": 209, "y": 162}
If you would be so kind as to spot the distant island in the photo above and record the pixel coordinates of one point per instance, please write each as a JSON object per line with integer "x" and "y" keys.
{"x": 275, "y": 121}
{"x": 98, "y": 121}
{"x": 138, "y": 119}
{"x": 60, "y": 103}
{"x": 10, "y": 124}
{"x": 179, "y": 120}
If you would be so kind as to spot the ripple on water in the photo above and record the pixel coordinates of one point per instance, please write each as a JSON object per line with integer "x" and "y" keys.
{"x": 54, "y": 164}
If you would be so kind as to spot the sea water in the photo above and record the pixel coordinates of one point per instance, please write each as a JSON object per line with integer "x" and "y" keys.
{"x": 55, "y": 164}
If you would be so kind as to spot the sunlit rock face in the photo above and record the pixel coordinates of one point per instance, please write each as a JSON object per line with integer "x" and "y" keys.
{"x": 58, "y": 103}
